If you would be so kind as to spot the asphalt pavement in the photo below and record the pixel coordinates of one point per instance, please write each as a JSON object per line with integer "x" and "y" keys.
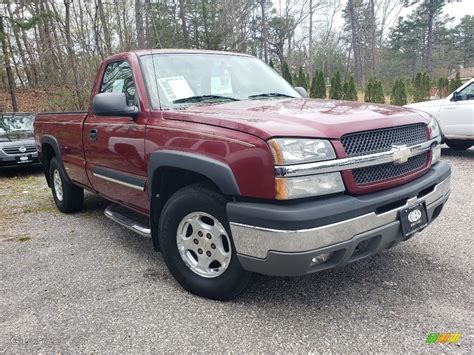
{"x": 80, "y": 283}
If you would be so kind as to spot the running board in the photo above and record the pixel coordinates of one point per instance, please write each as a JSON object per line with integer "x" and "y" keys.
{"x": 128, "y": 219}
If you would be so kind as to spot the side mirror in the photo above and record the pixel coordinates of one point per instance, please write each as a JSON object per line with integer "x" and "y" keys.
{"x": 455, "y": 96}
{"x": 113, "y": 104}
{"x": 302, "y": 91}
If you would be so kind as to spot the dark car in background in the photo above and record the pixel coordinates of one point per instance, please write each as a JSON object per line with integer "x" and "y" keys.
{"x": 17, "y": 144}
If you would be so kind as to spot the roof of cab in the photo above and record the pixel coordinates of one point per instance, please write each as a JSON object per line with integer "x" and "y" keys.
{"x": 141, "y": 52}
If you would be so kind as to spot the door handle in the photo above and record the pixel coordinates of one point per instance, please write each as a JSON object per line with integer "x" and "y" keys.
{"x": 93, "y": 134}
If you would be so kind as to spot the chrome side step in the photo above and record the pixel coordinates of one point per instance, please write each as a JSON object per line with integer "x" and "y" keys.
{"x": 128, "y": 219}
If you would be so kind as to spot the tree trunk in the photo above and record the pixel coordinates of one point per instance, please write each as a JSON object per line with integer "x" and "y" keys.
{"x": 206, "y": 29}
{"x": 105, "y": 28}
{"x": 21, "y": 52}
{"x": 264, "y": 30}
{"x": 71, "y": 54}
{"x": 310, "y": 44}
{"x": 139, "y": 24}
{"x": 119, "y": 25}
{"x": 182, "y": 17}
{"x": 429, "y": 46}
{"x": 372, "y": 34}
{"x": 355, "y": 41}
{"x": 8, "y": 69}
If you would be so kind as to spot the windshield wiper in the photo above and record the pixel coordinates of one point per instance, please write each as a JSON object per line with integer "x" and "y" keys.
{"x": 269, "y": 94}
{"x": 202, "y": 98}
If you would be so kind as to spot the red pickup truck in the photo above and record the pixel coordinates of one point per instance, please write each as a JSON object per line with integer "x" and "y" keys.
{"x": 232, "y": 171}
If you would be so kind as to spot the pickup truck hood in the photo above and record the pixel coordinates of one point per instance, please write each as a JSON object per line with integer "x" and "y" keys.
{"x": 301, "y": 117}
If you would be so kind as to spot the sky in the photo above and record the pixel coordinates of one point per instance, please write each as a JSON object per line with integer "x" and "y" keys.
{"x": 456, "y": 9}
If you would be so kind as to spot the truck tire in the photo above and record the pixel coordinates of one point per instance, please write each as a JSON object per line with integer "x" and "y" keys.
{"x": 459, "y": 145}
{"x": 197, "y": 245}
{"x": 68, "y": 197}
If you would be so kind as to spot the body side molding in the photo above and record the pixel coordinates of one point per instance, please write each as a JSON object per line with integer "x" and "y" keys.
{"x": 120, "y": 178}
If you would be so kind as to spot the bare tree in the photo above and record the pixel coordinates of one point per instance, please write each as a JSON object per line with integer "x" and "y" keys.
{"x": 8, "y": 68}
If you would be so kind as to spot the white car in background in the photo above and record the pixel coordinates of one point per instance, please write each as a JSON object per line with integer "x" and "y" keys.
{"x": 455, "y": 115}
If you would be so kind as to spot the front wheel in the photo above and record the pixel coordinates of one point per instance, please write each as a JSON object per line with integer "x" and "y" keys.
{"x": 197, "y": 245}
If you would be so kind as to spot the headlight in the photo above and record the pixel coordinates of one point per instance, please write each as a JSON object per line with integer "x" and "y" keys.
{"x": 288, "y": 151}
{"x": 306, "y": 186}
{"x": 435, "y": 132}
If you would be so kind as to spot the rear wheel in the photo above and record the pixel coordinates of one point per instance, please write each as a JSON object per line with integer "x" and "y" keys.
{"x": 197, "y": 245}
{"x": 459, "y": 145}
{"x": 68, "y": 197}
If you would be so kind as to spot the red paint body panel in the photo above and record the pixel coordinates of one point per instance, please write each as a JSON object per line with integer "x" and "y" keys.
{"x": 301, "y": 117}
{"x": 67, "y": 129}
{"x": 248, "y": 157}
{"x": 232, "y": 133}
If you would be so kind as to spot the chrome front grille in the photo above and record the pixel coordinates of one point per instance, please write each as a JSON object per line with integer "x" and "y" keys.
{"x": 383, "y": 172}
{"x": 383, "y": 140}
{"x": 19, "y": 149}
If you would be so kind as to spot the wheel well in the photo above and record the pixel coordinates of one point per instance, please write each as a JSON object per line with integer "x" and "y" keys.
{"x": 164, "y": 183}
{"x": 47, "y": 153}
{"x": 167, "y": 180}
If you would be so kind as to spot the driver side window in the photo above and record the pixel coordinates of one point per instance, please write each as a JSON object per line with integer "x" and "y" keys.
{"x": 118, "y": 77}
{"x": 467, "y": 93}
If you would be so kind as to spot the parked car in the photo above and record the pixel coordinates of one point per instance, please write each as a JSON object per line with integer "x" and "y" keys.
{"x": 455, "y": 114}
{"x": 17, "y": 143}
{"x": 232, "y": 172}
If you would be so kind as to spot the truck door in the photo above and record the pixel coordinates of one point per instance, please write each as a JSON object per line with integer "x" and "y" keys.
{"x": 457, "y": 117}
{"x": 114, "y": 146}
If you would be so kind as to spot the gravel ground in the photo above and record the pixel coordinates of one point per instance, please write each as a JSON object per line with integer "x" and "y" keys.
{"x": 80, "y": 283}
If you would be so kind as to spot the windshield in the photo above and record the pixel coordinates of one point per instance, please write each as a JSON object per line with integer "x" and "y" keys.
{"x": 173, "y": 79}
{"x": 16, "y": 124}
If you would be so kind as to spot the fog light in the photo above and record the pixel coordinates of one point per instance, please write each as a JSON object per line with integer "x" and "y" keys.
{"x": 320, "y": 259}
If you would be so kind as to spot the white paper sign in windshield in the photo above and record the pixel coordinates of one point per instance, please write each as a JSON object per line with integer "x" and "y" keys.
{"x": 175, "y": 88}
{"x": 221, "y": 84}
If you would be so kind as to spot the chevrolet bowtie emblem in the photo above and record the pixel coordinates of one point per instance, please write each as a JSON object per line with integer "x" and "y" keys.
{"x": 401, "y": 154}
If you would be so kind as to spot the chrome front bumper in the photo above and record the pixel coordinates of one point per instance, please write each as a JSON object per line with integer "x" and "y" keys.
{"x": 265, "y": 249}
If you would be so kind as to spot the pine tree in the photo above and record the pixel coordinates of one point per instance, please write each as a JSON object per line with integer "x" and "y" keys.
{"x": 271, "y": 64}
{"x": 345, "y": 90}
{"x": 399, "y": 96}
{"x": 321, "y": 85}
{"x": 379, "y": 94}
{"x": 313, "y": 91}
{"x": 374, "y": 91}
{"x": 285, "y": 72}
{"x": 443, "y": 87}
{"x": 422, "y": 84}
{"x": 318, "y": 86}
{"x": 335, "y": 91}
{"x": 402, "y": 93}
{"x": 455, "y": 83}
{"x": 349, "y": 90}
{"x": 300, "y": 79}
{"x": 369, "y": 88}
